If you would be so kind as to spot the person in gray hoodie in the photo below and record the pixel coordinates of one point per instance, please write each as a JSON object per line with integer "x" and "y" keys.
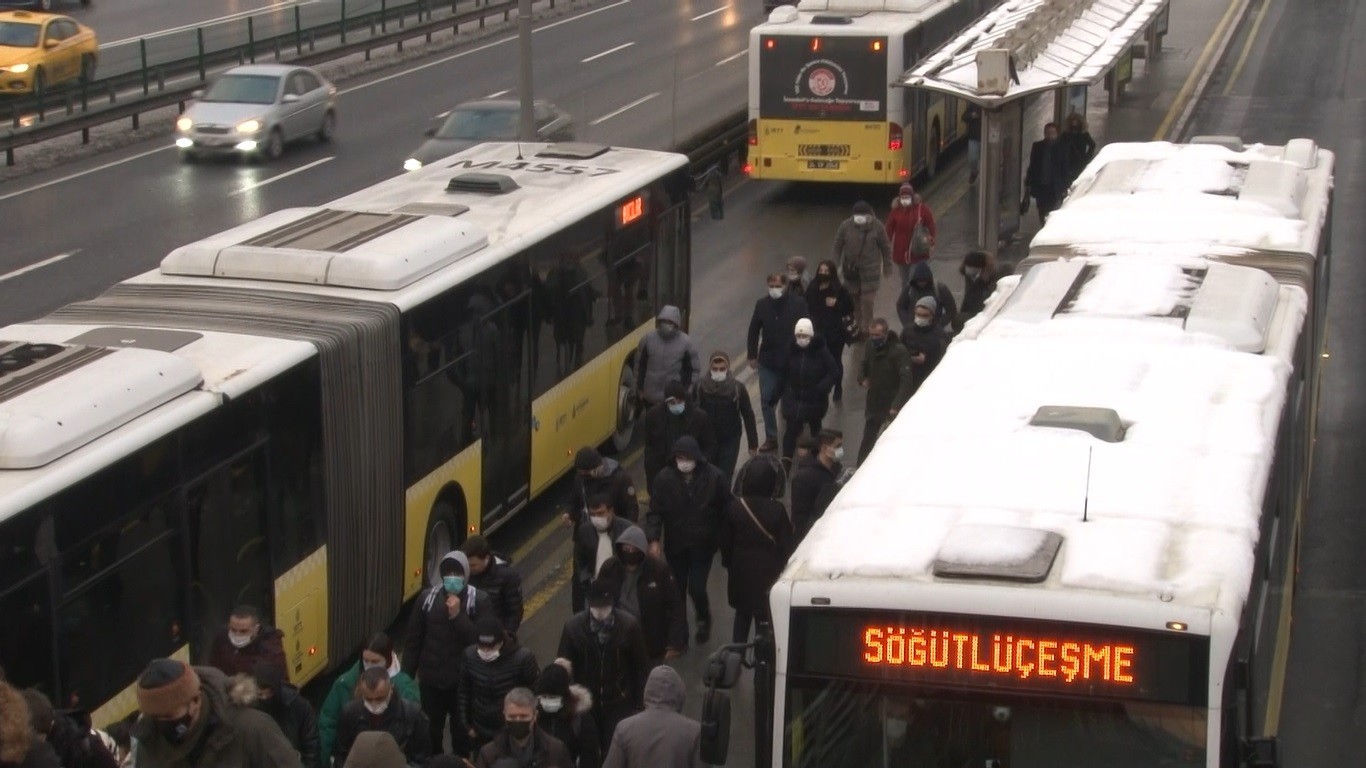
{"x": 440, "y": 628}
{"x": 661, "y": 736}
{"x": 665, "y": 354}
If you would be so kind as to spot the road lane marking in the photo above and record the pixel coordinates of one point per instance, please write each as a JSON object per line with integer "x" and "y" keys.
{"x": 279, "y": 176}
{"x": 38, "y": 265}
{"x": 607, "y": 52}
{"x": 554, "y": 24}
{"x": 702, "y": 16}
{"x": 1247, "y": 48}
{"x": 1188, "y": 88}
{"x": 276, "y": 8}
{"x": 495, "y": 94}
{"x": 730, "y": 58}
{"x": 632, "y": 105}
{"x": 79, "y": 174}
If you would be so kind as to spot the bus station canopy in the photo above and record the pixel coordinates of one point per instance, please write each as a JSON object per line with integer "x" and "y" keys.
{"x": 1051, "y": 43}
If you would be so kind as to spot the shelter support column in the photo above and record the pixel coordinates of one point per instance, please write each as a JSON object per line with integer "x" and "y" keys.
{"x": 989, "y": 182}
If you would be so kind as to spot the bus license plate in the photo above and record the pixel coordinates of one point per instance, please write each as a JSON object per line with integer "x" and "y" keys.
{"x": 823, "y": 165}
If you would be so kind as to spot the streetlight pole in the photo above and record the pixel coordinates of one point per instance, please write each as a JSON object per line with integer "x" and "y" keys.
{"x": 527, "y": 119}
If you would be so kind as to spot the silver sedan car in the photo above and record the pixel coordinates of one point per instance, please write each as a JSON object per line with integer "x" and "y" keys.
{"x": 254, "y": 110}
{"x": 475, "y": 122}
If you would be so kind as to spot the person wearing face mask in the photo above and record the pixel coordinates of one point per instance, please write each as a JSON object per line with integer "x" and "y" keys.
{"x": 770, "y": 334}
{"x": 595, "y": 474}
{"x": 864, "y": 253}
{"x": 756, "y": 540}
{"x": 686, "y": 514}
{"x": 663, "y": 424}
{"x": 606, "y": 649}
{"x": 831, "y": 310}
{"x": 245, "y": 641}
{"x": 440, "y": 628}
{"x": 726, "y": 403}
{"x": 926, "y": 341}
{"x": 494, "y": 666}
{"x": 923, "y": 284}
{"x": 378, "y": 708}
{"x": 188, "y": 722}
{"x": 979, "y": 282}
{"x": 815, "y": 482}
{"x": 886, "y": 374}
{"x": 522, "y": 743}
{"x": 376, "y": 654}
{"x": 497, "y": 581}
{"x": 646, "y": 590}
{"x": 566, "y": 712}
{"x": 267, "y": 691}
{"x": 593, "y": 541}
{"x": 796, "y": 276}
{"x": 908, "y": 214}
{"x": 661, "y": 736}
{"x": 664, "y": 355}
{"x": 809, "y": 374}
{"x": 1048, "y": 175}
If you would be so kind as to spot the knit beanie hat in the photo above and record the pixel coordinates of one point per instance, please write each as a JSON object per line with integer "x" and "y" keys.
{"x": 554, "y": 681}
{"x": 166, "y": 686}
{"x": 927, "y": 302}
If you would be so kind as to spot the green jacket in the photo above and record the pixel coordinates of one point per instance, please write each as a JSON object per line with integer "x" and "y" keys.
{"x": 343, "y": 691}
{"x": 888, "y": 373}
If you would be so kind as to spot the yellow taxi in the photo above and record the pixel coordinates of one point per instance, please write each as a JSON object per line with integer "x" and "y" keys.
{"x": 40, "y": 50}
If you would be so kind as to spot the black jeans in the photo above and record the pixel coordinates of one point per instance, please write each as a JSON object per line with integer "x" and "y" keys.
{"x": 727, "y": 453}
{"x": 440, "y": 705}
{"x": 690, "y": 567}
{"x": 792, "y": 430}
{"x": 871, "y": 427}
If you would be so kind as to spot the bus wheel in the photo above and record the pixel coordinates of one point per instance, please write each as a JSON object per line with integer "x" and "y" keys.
{"x": 932, "y": 156}
{"x": 443, "y": 535}
{"x": 626, "y": 409}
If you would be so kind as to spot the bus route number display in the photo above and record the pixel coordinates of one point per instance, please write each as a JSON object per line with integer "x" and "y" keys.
{"x": 630, "y": 211}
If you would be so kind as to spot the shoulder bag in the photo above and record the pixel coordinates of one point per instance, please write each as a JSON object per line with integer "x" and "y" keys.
{"x": 760, "y": 525}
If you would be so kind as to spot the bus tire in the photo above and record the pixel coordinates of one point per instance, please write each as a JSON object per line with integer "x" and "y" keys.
{"x": 624, "y": 434}
{"x": 444, "y": 528}
{"x": 932, "y": 151}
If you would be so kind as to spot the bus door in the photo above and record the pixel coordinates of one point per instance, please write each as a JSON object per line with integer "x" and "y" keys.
{"x": 497, "y": 327}
{"x": 673, "y": 276}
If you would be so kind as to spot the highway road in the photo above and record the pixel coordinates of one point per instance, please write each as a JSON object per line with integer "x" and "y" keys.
{"x": 1294, "y": 74}
{"x": 95, "y": 222}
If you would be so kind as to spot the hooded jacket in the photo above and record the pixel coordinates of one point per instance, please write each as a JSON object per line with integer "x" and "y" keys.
{"x": 756, "y": 539}
{"x": 923, "y": 284}
{"x": 290, "y": 711}
{"x": 575, "y": 727}
{"x": 663, "y": 429}
{"x": 976, "y": 291}
{"x": 344, "y": 690}
{"x": 267, "y": 646}
{"x": 402, "y": 719}
{"x": 658, "y": 599}
{"x": 770, "y": 328}
{"x": 661, "y": 736}
{"x": 660, "y": 360}
{"x": 375, "y": 749}
{"x": 686, "y": 511}
{"x": 901, "y": 223}
{"x": 887, "y": 369}
{"x": 865, "y": 247}
{"x": 226, "y": 736}
{"x": 487, "y": 682}
{"x": 434, "y": 650}
{"x": 727, "y": 405}
{"x": 614, "y": 482}
{"x": 805, "y": 381}
{"x": 931, "y": 341}
{"x": 20, "y": 747}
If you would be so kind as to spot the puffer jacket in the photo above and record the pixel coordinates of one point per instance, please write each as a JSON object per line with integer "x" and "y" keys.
{"x": 661, "y": 735}
{"x": 686, "y": 512}
{"x": 575, "y": 727}
{"x": 660, "y": 360}
{"x": 487, "y": 682}
{"x": 500, "y": 589}
{"x": 434, "y": 650}
{"x": 806, "y": 379}
{"x": 663, "y": 429}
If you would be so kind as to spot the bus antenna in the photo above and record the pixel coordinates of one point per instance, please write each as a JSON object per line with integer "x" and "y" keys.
{"x": 1086, "y": 500}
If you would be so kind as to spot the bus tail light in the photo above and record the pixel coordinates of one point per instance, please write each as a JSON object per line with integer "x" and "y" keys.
{"x": 747, "y": 170}
{"x": 894, "y": 141}
{"x": 754, "y": 133}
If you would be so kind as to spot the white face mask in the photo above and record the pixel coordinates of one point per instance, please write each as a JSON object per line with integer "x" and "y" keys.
{"x": 489, "y": 654}
{"x": 905, "y": 201}
{"x": 686, "y": 465}
{"x": 718, "y": 376}
{"x": 803, "y": 341}
{"x": 601, "y": 523}
{"x": 600, "y": 613}
{"x": 551, "y": 704}
{"x": 775, "y": 293}
{"x": 239, "y": 639}
{"x": 839, "y": 453}
{"x": 368, "y": 665}
{"x": 922, "y": 322}
{"x": 793, "y": 276}
{"x": 860, "y": 219}
{"x": 376, "y": 709}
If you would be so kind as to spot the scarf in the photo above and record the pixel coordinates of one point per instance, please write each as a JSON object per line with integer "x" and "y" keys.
{"x": 718, "y": 388}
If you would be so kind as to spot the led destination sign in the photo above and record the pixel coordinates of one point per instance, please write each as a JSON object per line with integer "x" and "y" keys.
{"x": 954, "y": 650}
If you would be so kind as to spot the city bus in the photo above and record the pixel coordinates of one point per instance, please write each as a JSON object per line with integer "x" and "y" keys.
{"x": 822, "y": 106}
{"x": 306, "y": 411}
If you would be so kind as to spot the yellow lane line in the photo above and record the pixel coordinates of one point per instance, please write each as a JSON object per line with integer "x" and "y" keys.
{"x": 1247, "y": 48}
{"x": 1189, "y": 87}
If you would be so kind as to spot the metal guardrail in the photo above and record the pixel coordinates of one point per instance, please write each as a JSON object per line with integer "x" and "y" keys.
{"x": 78, "y": 109}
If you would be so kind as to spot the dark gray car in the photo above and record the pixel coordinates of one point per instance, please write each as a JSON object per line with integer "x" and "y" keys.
{"x": 475, "y": 122}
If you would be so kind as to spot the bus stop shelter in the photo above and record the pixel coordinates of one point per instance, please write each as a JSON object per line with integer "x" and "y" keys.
{"x": 1024, "y": 49}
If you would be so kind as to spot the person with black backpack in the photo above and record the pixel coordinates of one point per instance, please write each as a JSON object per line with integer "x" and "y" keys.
{"x": 727, "y": 405}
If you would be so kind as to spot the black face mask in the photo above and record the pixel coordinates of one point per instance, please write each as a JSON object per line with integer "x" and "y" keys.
{"x": 633, "y": 559}
{"x": 175, "y": 730}
{"x": 519, "y": 729}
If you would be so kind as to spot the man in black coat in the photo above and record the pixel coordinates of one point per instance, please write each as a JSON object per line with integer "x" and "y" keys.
{"x": 1048, "y": 174}
{"x": 498, "y": 583}
{"x": 594, "y": 475}
{"x": 493, "y": 667}
{"x": 808, "y": 374}
{"x": 290, "y": 710}
{"x": 606, "y": 647}
{"x": 814, "y": 484}
{"x": 379, "y": 708}
{"x": 770, "y": 334}
{"x": 755, "y": 545}
{"x": 686, "y": 513}
{"x": 665, "y": 423}
{"x": 522, "y": 742}
{"x": 593, "y": 542}
{"x": 646, "y": 590}
{"x": 926, "y": 341}
{"x": 440, "y": 629}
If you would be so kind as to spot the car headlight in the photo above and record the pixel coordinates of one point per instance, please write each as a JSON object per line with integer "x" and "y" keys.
{"x": 250, "y": 126}
{"x": 18, "y": 69}
{"x": 184, "y": 124}
{"x": 412, "y": 164}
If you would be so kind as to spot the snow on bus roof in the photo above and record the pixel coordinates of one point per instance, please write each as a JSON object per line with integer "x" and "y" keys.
{"x": 1134, "y": 196}
{"x": 1173, "y": 508}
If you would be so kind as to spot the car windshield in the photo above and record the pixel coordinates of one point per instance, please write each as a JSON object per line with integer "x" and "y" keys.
{"x": 479, "y": 124}
{"x": 867, "y": 725}
{"x": 244, "y": 89}
{"x": 19, "y": 35}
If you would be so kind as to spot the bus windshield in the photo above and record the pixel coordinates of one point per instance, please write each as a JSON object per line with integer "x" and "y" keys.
{"x": 823, "y": 78}
{"x": 870, "y": 725}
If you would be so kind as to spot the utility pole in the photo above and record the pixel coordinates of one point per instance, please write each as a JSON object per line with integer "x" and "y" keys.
{"x": 524, "y": 81}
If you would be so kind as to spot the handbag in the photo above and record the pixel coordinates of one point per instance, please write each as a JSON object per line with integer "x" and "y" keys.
{"x": 920, "y": 237}
{"x": 760, "y": 525}
{"x": 849, "y": 270}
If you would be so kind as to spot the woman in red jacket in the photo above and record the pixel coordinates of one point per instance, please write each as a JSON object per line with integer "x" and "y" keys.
{"x": 908, "y": 211}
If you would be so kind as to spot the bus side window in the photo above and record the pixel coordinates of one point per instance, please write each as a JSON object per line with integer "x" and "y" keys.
{"x": 26, "y": 647}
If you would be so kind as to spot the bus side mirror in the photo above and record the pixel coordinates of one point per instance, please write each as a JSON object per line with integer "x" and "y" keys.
{"x": 723, "y": 669}
{"x": 715, "y": 727}
{"x": 1261, "y": 753}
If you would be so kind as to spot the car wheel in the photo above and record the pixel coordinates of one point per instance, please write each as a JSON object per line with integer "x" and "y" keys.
{"x": 275, "y": 144}
{"x": 87, "y": 68}
{"x": 329, "y": 127}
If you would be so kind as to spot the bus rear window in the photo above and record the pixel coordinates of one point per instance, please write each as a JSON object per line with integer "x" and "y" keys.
{"x": 823, "y": 78}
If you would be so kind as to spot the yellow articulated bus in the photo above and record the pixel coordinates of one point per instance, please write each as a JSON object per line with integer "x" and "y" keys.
{"x": 306, "y": 411}
{"x": 822, "y": 106}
